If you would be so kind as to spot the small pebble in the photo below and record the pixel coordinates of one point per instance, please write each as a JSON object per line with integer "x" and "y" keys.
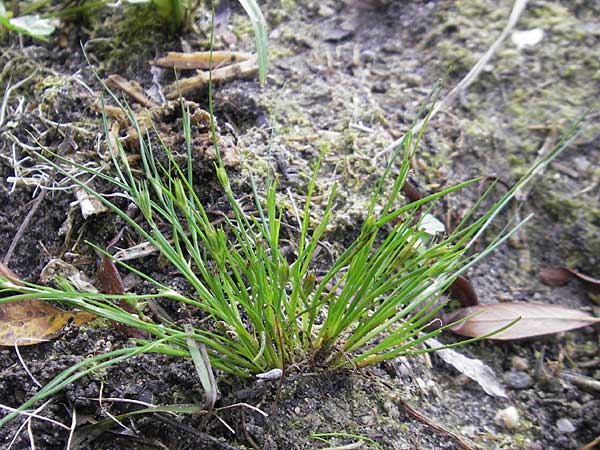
{"x": 391, "y": 409}
{"x": 582, "y": 164}
{"x": 565, "y": 426}
{"x": 507, "y": 418}
{"x": 469, "y": 431}
{"x": 413, "y": 80}
{"x": 517, "y": 380}
{"x": 326, "y": 11}
{"x": 368, "y": 420}
{"x": 519, "y": 363}
{"x": 367, "y": 56}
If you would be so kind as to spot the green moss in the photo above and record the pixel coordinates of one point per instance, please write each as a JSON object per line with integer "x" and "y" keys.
{"x": 134, "y": 29}
{"x": 288, "y": 5}
{"x": 242, "y": 26}
{"x": 580, "y": 244}
{"x": 516, "y": 161}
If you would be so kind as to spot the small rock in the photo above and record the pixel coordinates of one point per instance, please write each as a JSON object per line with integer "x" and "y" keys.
{"x": 517, "y": 380}
{"x": 582, "y": 164}
{"x": 565, "y": 426}
{"x": 469, "y": 430}
{"x": 519, "y": 363}
{"x": 326, "y": 11}
{"x": 507, "y": 418}
{"x": 337, "y": 34}
{"x": 367, "y": 56}
{"x": 368, "y": 420}
{"x": 527, "y": 38}
{"x": 391, "y": 409}
{"x": 413, "y": 80}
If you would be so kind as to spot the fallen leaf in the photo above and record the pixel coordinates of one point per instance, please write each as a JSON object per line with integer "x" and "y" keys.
{"x": 535, "y": 319}
{"x": 109, "y": 278}
{"x": 110, "y": 282}
{"x": 88, "y": 204}
{"x": 29, "y": 322}
{"x": 462, "y": 291}
{"x": 555, "y": 276}
{"x": 472, "y": 368}
{"x": 58, "y": 267}
{"x": 132, "y": 88}
{"x": 243, "y": 69}
{"x": 411, "y": 191}
{"x": 559, "y": 276}
{"x": 200, "y": 60}
{"x": 593, "y": 283}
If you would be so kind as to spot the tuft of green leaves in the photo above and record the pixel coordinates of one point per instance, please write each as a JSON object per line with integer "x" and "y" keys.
{"x": 263, "y": 309}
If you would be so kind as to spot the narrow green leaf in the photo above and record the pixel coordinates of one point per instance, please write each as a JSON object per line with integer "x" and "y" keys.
{"x": 260, "y": 32}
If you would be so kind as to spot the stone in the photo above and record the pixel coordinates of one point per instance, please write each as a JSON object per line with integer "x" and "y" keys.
{"x": 519, "y": 363}
{"x": 517, "y": 379}
{"x": 507, "y": 418}
{"x": 565, "y": 426}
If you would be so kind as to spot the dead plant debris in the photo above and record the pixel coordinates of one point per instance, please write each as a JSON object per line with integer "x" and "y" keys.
{"x": 533, "y": 319}
{"x": 30, "y": 322}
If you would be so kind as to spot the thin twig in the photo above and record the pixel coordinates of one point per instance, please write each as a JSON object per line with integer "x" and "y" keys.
{"x": 206, "y": 438}
{"x": 458, "y": 439}
{"x": 591, "y": 445}
{"x": 23, "y": 226}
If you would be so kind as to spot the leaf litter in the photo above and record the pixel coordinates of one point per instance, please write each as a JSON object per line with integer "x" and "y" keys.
{"x": 472, "y": 368}
{"x": 559, "y": 276}
{"x": 31, "y": 321}
{"x": 533, "y": 319}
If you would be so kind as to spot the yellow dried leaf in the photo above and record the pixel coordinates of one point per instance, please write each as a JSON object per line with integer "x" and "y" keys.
{"x": 26, "y": 322}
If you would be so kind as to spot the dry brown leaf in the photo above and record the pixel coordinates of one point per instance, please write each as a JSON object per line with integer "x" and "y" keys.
{"x": 243, "y": 69}
{"x": 559, "y": 276}
{"x": 108, "y": 276}
{"x": 593, "y": 283}
{"x": 110, "y": 282}
{"x": 463, "y": 291}
{"x": 27, "y": 322}
{"x": 200, "y": 60}
{"x": 536, "y": 319}
{"x": 131, "y": 88}
{"x": 555, "y": 276}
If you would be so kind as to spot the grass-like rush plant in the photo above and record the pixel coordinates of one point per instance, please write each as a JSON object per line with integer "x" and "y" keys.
{"x": 266, "y": 311}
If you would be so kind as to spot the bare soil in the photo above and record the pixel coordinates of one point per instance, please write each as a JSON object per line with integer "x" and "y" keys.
{"x": 351, "y": 76}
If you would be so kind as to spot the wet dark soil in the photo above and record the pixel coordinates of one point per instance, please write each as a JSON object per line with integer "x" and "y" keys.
{"x": 352, "y": 76}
